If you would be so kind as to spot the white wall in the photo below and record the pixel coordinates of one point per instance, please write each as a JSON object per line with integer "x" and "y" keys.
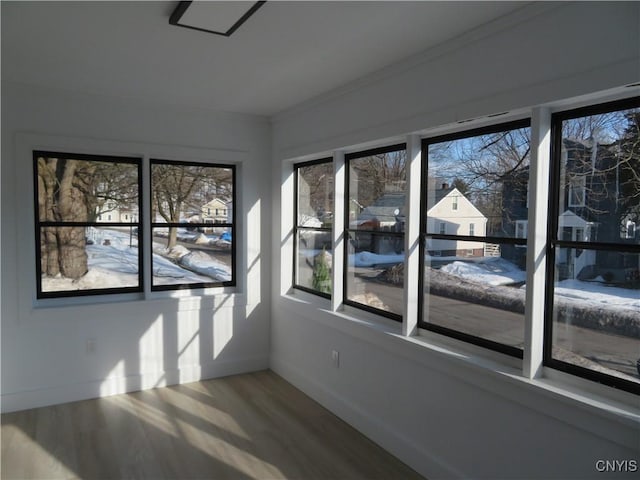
{"x": 140, "y": 343}
{"x": 446, "y": 412}
{"x": 543, "y": 53}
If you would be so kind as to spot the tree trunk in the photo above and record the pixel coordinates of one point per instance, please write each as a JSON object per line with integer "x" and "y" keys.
{"x": 173, "y": 237}
{"x": 71, "y": 240}
{"x": 48, "y": 241}
{"x": 62, "y": 248}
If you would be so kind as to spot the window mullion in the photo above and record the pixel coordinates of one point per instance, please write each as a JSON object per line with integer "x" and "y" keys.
{"x": 412, "y": 236}
{"x": 537, "y": 237}
{"x": 337, "y": 233}
{"x": 147, "y": 234}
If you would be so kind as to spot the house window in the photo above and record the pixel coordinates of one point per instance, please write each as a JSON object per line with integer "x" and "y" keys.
{"x": 631, "y": 229}
{"x": 374, "y": 230}
{"x": 184, "y": 258}
{"x": 454, "y": 203}
{"x": 588, "y": 283}
{"x": 313, "y": 250}
{"x": 521, "y": 228}
{"x": 75, "y": 254}
{"x": 577, "y": 189}
{"x": 493, "y": 164}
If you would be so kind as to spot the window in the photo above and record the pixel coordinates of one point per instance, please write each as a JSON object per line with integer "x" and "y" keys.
{"x": 473, "y": 280}
{"x": 313, "y": 251}
{"x": 77, "y": 253}
{"x": 593, "y": 286}
{"x": 631, "y": 229}
{"x": 472, "y": 287}
{"x": 577, "y": 187}
{"x": 188, "y": 251}
{"x": 374, "y": 230}
{"x": 89, "y": 229}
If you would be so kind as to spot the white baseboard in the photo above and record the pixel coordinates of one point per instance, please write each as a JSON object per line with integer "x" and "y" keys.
{"x": 24, "y": 400}
{"x": 422, "y": 461}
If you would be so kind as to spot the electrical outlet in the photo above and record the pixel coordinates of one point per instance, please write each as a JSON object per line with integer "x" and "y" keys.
{"x": 91, "y": 346}
{"x": 335, "y": 358}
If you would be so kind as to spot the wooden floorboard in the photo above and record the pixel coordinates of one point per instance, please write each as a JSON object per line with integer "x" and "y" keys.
{"x": 251, "y": 426}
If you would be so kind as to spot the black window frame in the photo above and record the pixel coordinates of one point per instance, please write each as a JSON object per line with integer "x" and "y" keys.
{"x": 424, "y": 235}
{"x": 299, "y": 228}
{"x": 39, "y": 225}
{"x": 348, "y": 231}
{"x": 231, "y": 226}
{"x": 554, "y": 243}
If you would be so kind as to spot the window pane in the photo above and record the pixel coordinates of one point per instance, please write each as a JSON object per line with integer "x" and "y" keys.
{"x": 479, "y": 295}
{"x": 88, "y": 258}
{"x": 87, "y": 191}
{"x": 377, "y": 192}
{"x": 195, "y": 256}
{"x": 191, "y": 193}
{"x": 314, "y": 263}
{"x": 315, "y": 195}
{"x": 600, "y": 177}
{"x": 480, "y": 180}
{"x": 376, "y": 279}
{"x": 596, "y": 317}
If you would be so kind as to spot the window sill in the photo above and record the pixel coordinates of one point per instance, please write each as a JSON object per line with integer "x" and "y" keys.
{"x": 176, "y": 300}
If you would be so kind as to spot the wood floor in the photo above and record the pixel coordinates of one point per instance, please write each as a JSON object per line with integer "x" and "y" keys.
{"x": 253, "y": 426}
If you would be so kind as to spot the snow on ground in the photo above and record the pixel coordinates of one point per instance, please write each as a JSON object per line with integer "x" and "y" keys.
{"x": 368, "y": 259}
{"x": 189, "y": 236}
{"x": 496, "y": 271}
{"x": 206, "y": 265}
{"x": 492, "y": 271}
{"x": 199, "y": 262}
{"x": 116, "y": 265}
{"x": 110, "y": 266}
{"x": 167, "y": 272}
{"x": 599, "y": 293}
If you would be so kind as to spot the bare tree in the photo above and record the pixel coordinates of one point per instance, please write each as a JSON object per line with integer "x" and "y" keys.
{"x": 107, "y": 187}
{"x": 377, "y": 174}
{"x": 603, "y": 152}
{"x": 486, "y": 167}
{"x": 178, "y": 189}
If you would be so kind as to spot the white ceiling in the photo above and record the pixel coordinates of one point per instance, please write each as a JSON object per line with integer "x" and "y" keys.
{"x": 286, "y": 53}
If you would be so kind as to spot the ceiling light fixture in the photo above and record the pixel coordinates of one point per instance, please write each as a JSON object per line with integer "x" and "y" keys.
{"x": 220, "y": 18}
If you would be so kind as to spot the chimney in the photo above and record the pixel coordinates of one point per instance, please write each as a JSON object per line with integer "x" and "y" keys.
{"x": 445, "y": 186}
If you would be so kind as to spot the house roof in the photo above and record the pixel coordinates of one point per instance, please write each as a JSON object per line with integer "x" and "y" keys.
{"x": 385, "y": 208}
{"x": 214, "y": 202}
{"x": 442, "y": 193}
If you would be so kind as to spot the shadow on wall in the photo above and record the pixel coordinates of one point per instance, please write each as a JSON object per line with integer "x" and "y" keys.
{"x": 203, "y": 342}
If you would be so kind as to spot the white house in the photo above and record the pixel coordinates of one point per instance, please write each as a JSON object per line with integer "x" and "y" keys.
{"x": 454, "y": 214}
{"x": 216, "y": 211}
{"x": 111, "y": 212}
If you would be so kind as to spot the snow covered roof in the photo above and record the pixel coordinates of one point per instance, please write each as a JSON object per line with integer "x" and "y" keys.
{"x": 385, "y": 209}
